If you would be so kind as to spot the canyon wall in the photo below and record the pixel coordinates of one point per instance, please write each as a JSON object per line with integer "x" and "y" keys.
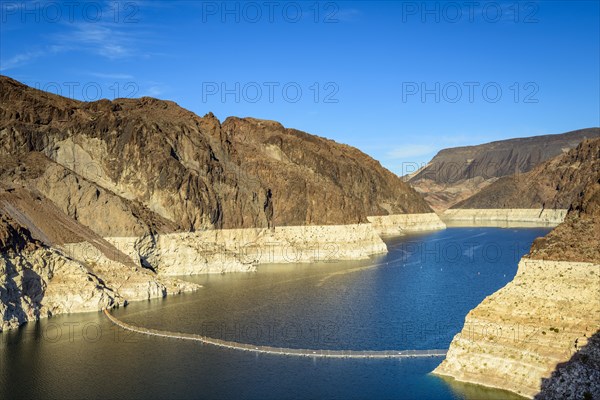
{"x": 517, "y": 336}
{"x": 546, "y": 321}
{"x": 178, "y": 193}
{"x": 44, "y": 273}
{"x": 503, "y": 217}
{"x": 456, "y": 174}
{"x": 399, "y": 224}
{"x": 165, "y": 169}
{"x": 228, "y": 250}
{"x": 554, "y": 184}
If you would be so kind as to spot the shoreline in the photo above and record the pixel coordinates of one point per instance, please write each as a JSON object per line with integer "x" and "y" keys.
{"x": 400, "y": 224}
{"x": 241, "y": 250}
{"x": 80, "y": 277}
{"x": 504, "y": 217}
{"x": 518, "y": 335}
{"x": 450, "y": 380}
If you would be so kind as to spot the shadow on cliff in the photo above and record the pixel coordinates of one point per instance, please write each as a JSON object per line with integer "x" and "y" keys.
{"x": 578, "y": 378}
{"x": 30, "y": 290}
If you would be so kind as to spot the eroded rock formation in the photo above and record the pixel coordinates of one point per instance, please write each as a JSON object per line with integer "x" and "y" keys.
{"x": 520, "y": 337}
{"x": 195, "y": 172}
{"x": 554, "y": 184}
{"x": 458, "y": 173}
{"x": 116, "y": 193}
{"x": 50, "y": 264}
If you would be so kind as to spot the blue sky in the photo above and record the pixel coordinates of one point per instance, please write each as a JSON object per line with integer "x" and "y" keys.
{"x": 399, "y": 80}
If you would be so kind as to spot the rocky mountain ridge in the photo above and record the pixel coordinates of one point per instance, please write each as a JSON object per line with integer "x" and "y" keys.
{"x": 99, "y": 201}
{"x": 538, "y": 336}
{"x": 197, "y": 173}
{"x": 455, "y": 174}
{"x": 554, "y": 184}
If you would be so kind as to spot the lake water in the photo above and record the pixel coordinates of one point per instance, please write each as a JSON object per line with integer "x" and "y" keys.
{"x": 414, "y": 297}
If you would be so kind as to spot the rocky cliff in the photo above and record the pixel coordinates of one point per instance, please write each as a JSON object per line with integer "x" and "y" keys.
{"x": 554, "y": 184}
{"x": 51, "y": 264}
{"x": 195, "y": 172}
{"x": 457, "y": 173}
{"x": 537, "y": 336}
{"x": 125, "y": 191}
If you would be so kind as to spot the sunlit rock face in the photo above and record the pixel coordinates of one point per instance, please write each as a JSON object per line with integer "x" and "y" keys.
{"x": 399, "y": 224}
{"x": 552, "y": 185}
{"x": 538, "y": 336}
{"x": 456, "y": 174}
{"x": 518, "y": 335}
{"x": 174, "y": 170}
{"x": 50, "y": 264}
{"x": 100, "y": 200}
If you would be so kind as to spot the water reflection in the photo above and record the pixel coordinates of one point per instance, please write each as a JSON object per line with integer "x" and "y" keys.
{"x": 414, "y": 297}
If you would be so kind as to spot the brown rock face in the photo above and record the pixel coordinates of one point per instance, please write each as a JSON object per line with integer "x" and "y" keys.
{"x": 15, "y": 237}
{"x": 81, "y": 199}
{"x": 313, "y": 180}
{"x": 166, "y": 169}
{"x": 457, "y": 173}
{"x": 578, "y": 238}
{"x": 558, "y": 183}
{"x": 31, "y": 221}
{"x": 556, "y": 293}
{"x": 51, "y": 264}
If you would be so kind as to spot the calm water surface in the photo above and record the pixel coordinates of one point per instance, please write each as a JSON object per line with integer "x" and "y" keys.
{"x": 414, "y": 297}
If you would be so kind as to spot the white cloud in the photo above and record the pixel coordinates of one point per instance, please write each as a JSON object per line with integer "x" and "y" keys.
{"x": 107, "y": 41}
{"x": 154, "y": 91}
{"x": 20, "y": 59}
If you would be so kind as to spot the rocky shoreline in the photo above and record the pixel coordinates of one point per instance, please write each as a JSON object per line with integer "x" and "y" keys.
{"x": 517, "y": 336}
{"x": 504, "y": 217}
{"x": 538, "y": 336}
{"x": 46, "y": 281}
{"x": 100, "y": 273}
{"x": 390, "y": 225}
{"x": 130, "y": 191}
{"x": 240, "y": 250}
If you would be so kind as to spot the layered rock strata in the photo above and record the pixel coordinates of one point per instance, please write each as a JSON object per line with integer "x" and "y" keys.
{"x": 455, "y": 174}
{"x": 399, "y": 224}
{"x": 50, "y": 264}
{"x": 517, "y": 336}
{"x": 537, "y": 336}
{"x": 504, "y": 217}
{"x": 227, "y": 250}
{"x": 188, "y": 173}
{"x": 178, "y": 193}
{"x": 554, "y": 184}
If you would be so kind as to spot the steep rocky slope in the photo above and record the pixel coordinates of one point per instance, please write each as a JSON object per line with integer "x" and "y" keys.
{"x": 457, "y": 173}
{"x": 90, "y": 204}
{"x": 554, "y": 184}
{"x": 577, "y": 378}
{"x": 51, "y": 264}
{"x": 26, "y": 268}
{"x": 196, "y": 173}
{"x": 520, "y": 337}
{"x": 102, "y": 199}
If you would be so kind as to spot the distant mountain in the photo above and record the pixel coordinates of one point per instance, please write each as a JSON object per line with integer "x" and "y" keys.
{"x": 557, "y": 183}
{"x": 457, "y": 173}
{"x": 555, "y": 294}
